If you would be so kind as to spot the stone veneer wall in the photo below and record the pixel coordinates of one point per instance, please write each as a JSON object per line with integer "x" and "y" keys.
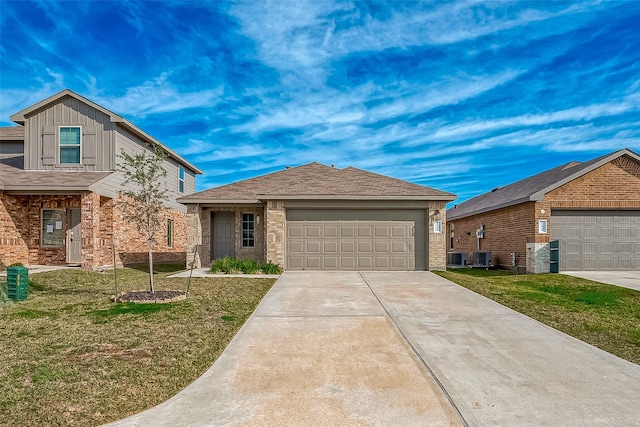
{"x": 20, "y": 222}
{"x": 437, "y": 241}
{"x": 275, "y": 222}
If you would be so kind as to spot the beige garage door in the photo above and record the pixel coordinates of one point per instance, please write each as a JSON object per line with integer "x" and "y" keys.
{"x": 597, "y": 240}
{"x": 336, "y": 239}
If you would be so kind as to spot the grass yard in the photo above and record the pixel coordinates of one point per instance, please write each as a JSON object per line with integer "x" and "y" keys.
{"x": 605, "y": 316}
{"x": 68, "y": 356}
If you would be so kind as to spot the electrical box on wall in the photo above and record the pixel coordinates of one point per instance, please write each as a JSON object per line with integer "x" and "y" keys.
{"x": 480, "y": 233}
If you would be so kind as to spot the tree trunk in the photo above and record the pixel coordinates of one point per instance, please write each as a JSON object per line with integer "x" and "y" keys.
{"x": 151, "y": 267}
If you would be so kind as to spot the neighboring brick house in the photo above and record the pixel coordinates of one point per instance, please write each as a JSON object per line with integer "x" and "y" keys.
{"x": 59, "y": 187}
{"x": 317, "y": 217}
{"x": 591, "y": 208}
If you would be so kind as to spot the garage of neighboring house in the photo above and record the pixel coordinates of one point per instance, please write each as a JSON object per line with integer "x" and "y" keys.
{"x": 597, "y": 239}
{"x": 318, "y": 217}
{"x": 590, "y": 210}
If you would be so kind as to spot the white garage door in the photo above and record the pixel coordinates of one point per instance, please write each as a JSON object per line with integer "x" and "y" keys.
{"x": 597, "y": 240}
{"x": 335, "y": 239}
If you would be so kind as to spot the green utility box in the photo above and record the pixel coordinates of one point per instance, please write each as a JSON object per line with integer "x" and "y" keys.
{"x": 17, "y": 283}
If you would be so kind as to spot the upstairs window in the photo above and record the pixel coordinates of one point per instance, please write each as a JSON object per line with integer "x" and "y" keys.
{"x": 181, "y": 179}
{"x": 248, "y": 229}
{"x": 70, "y": 144}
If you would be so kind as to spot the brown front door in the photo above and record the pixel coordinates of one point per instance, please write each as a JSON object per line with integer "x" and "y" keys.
{"x": 74, "y": 236}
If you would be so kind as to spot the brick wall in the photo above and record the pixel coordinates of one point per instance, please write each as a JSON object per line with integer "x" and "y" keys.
{"x": 20, "y": 224}
{"x": 437, "y": 241}
{"x": 275, "y": 222}
{"x": 614, "y": 185}
{"x": 13, "y": 230}
{"x": 506, "y": 230}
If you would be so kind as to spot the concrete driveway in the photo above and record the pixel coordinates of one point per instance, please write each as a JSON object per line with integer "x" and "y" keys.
{"x": 626, "y": 279}
{"x": 409, "y": 348}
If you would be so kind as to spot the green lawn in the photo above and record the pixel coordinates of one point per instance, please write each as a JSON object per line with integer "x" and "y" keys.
{"x": 605, "y": 316}
{"x": 69, "y": 356}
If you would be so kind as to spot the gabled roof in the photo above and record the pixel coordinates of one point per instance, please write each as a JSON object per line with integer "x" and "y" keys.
{"x": 317, "y": 181}
{"x": 533, "y": 188}
{"x": 13, "y": 177}
{"x": 21, "y": 116}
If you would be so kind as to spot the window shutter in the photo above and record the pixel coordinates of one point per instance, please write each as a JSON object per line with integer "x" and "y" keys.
{"x": 48, "y": 145}
{"x": 89, "y": 145}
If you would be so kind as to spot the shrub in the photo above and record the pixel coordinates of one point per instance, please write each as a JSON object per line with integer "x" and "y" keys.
{"x": 248, "y": 266}
{"x": 231, "y": 265}
{"x": 17, "y": 264}
{"x": 270, "y": 268}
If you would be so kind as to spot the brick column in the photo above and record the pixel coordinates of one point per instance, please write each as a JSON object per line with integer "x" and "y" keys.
{"x": 90, "y": 206}
{"x": 194, "y": 236}
{"x": 275, "y": 224}
{"x": 437, "y": 241}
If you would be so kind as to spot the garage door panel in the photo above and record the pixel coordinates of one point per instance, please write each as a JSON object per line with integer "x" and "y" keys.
{"x": 602, "y": 240}
{"x": 382, "y": 246}
{"x": 356, "y": 239}
{"x": 330, "y": 247}
{"x": 364, "y": 231}
{"x": 366, "y": 246}
{"x": 347, "y": 231}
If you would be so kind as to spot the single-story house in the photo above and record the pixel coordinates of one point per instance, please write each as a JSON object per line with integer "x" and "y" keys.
{"x": 318, "y": 217}
{"x": 60, "y": 184}
{"x": 592, "y": 209}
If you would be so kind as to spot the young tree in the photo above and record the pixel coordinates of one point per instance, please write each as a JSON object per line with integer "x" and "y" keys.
{"x": 142, "y": 201}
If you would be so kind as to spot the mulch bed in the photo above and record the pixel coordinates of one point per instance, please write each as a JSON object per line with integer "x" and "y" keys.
{"x": 148, "y": 297}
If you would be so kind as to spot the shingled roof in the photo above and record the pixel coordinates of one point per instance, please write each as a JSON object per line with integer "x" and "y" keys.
{"x": 317, "y": 181}
{"x": 533, "y": 188}
{"x": 14, "y": 178}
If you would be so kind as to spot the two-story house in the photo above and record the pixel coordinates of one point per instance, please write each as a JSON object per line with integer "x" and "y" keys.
{"x": 59, "y": 187}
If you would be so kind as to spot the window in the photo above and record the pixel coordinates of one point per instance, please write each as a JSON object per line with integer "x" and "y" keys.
{"x": 181, "y": 179}
{"x": 452, "y": 235}
{"x": 542, "y": 226}
{"x": 248, "y": 228}
{"x": 437, "y": 226}
{"x": 70, "y": 145}
{"x": 51, "y": 232}
{"x": 169, "y": 233}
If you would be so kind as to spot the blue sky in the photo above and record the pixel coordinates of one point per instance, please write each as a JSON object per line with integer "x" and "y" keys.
{"x": 462, "y": 96}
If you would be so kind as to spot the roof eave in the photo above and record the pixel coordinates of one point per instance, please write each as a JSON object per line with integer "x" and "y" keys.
{"x": 19, "y": 117}
{"x": 130, "y": 126}
{"x": 205, "y": 201}
{"x": 539, "y": 195}
{"x": 448, "y": 198}
{"x": 451, "y": 213}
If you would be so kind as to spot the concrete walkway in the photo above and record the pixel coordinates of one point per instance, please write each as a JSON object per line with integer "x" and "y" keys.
{"x": 626, "y": 279}
{"x": 344, "y": 348}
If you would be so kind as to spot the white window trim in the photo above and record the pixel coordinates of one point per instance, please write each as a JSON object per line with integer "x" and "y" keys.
{"x": 181, "y": 180}
{"x": 60, "y": 145}
{"x": 542, "y": 226}
{"x": 242, "y": 229}
{"x": 41, "y": 228}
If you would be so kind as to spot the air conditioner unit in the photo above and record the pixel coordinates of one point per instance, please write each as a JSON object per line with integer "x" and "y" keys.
{"x": 482, "y": 259}
{"x": 457, "y": 258}
{"x": 480, "y": 233}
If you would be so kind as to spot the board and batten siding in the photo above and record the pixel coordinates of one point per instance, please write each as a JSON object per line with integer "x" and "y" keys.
{"x": 41, "y": 151}
{"x": 132, "y": 144}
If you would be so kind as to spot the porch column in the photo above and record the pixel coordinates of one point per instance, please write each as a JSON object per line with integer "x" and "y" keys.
{"x": 194, "y": 235}
{"x": 90, "y": 220}
{"x": 275, "y": 224}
